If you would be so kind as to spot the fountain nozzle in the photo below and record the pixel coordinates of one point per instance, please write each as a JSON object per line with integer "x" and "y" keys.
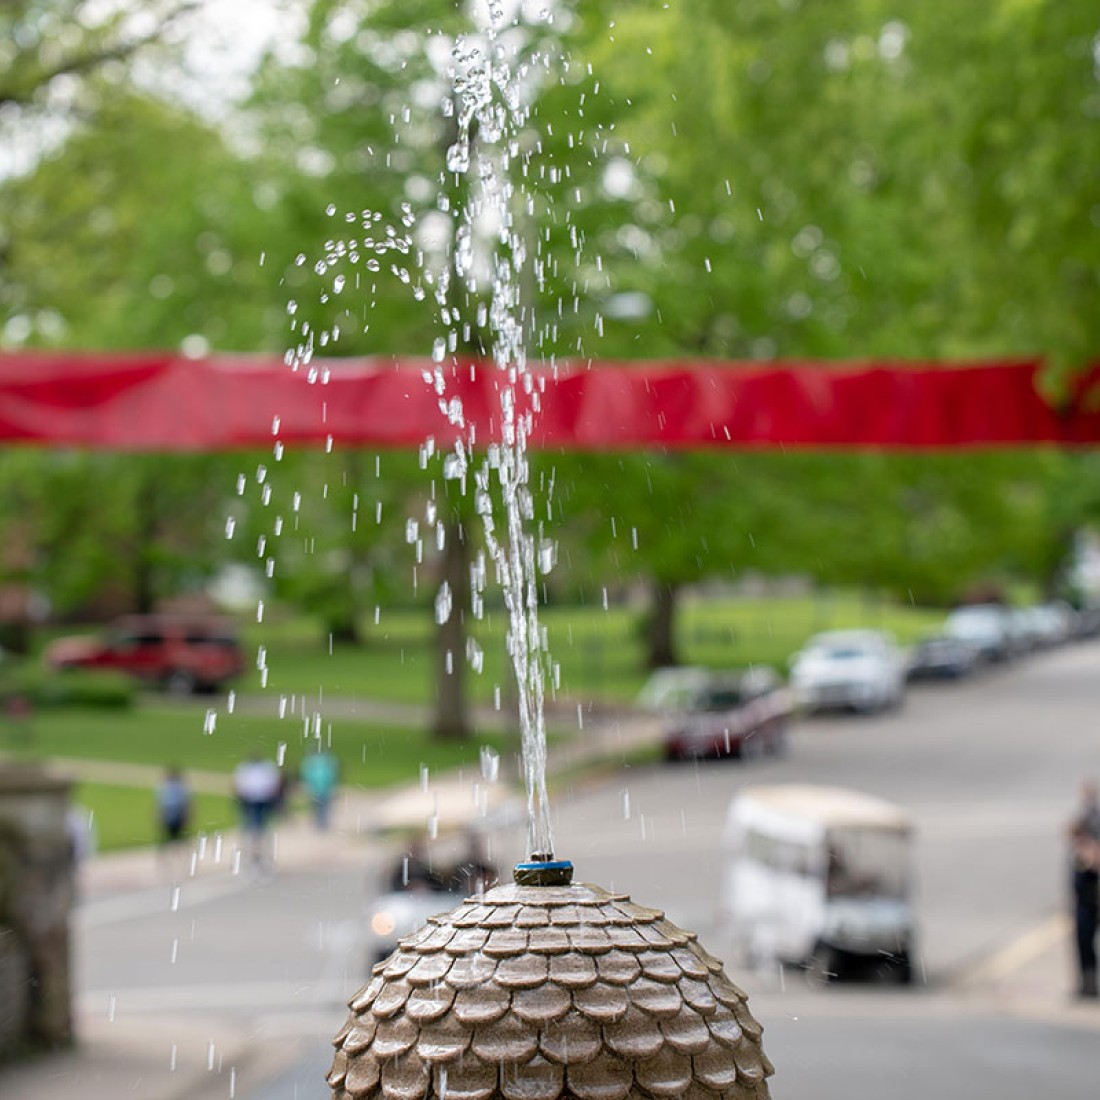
{"x": 543, "y": 871}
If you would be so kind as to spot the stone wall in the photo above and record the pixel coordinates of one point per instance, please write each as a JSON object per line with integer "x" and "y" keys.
{"x": 36, "y": 895}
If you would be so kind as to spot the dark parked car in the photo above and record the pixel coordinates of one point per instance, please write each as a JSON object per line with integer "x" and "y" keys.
{"x": 742, "y": 714}
{"x": 180, "y": 653}
{"x": 941, "y": 657}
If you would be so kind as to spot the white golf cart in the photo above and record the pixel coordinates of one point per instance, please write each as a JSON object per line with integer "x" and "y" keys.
{"x": 819, "y": 877}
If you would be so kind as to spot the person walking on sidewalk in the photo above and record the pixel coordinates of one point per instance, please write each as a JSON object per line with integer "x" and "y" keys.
{"x": 1084, "y": 835}
{"x": 173, "y": 806}
{"x": 257, "y": 784}
{"x": 320, "y": 774}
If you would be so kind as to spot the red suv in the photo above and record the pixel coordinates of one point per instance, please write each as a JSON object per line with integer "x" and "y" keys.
{"x": 180, "y": 653}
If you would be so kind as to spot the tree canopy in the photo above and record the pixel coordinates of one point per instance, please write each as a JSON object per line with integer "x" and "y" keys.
{"x": 752, "y": 181}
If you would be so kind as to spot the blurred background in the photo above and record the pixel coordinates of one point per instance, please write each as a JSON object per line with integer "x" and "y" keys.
{"x": 767, "y": 180}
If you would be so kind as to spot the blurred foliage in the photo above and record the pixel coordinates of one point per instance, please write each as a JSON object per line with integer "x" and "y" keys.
{"x": 760, "y": 180}
{"x": 26, "y": 687}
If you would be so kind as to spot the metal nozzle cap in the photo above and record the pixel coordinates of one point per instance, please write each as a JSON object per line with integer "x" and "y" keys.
{"x": 551, "y": 872}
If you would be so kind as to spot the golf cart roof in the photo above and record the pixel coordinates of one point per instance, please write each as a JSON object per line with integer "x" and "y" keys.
{"x": 825, "y": 807}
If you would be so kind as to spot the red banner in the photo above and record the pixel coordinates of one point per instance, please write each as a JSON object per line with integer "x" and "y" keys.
{"x": 162, "y": 402}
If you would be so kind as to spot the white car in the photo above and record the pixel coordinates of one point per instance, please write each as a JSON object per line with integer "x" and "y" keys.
{"x": 986, "y": 627}
{"x": 859, "y": 669}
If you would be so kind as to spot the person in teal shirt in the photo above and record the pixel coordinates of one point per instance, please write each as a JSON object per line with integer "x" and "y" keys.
{"x": 320, "y": 775}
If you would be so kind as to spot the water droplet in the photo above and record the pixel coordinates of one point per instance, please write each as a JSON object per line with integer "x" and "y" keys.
{"x": 443, "y": 603}
{"x": 548, "y": 555}
{"x": 458, "y": 157}
{"x": 230, "y": 526}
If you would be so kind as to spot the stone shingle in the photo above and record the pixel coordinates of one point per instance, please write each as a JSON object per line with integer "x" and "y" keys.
{"x": 660, "y": 966}
{"x": 635, "y": 1036}
{"x": 470, "y": 1079}
{"x": 444, "y": 1040}
{"x": 503, "y": 942}
{"x": 405, "y": 1078}
{"x": 471, "y": 971}
{"x": 429, "y": 969}
{"x": 522, "y": 971}
{"x": 618, "y": 968}
{"x": 572, "y": 1040}
{"x": 391, "y": 999}
{"x": 429, "y": 1003}
{"x": 541, "y": 1005}
{"x": 483, "y": 1005}
{"x": 667, "y": 1074}
{"x": 394, "y": 1037}
{"x": 687, "y": 1032}
{"x": 604, "y": 1078}
{"x": 573, "y": 971}
{"x": 537, "y": 1079}
{"x": 506, "y": 1041}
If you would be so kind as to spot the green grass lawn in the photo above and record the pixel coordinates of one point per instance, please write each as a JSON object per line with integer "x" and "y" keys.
{"x": 160, "y": 734}
{"x": 600, "y": 652}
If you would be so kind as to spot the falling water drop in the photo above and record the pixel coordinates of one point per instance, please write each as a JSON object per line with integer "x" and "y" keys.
{"x": 443, "y": 603}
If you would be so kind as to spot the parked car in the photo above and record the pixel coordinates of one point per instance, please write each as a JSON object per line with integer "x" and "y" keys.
{"x": 740, "y": 714}
{"x": 669, "y": 689}
{"x": 863, "y": 670}
{"x": 941, "y": 657}
{"x": 987, "y": 627}
{"x": 181, "y": 654}
{"x": 1049, "y": 624}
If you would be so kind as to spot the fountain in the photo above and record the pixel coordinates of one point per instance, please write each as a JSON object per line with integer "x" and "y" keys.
{"x": 542, "y": 989}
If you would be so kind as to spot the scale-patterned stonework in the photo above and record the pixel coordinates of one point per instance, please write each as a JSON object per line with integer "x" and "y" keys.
{"x": 550, "y": 993}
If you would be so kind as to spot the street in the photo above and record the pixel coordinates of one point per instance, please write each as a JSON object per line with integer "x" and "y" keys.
{"x": 988, "y": 769}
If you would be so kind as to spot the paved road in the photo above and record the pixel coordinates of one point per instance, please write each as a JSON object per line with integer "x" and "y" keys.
{"x": 988, "y": 769}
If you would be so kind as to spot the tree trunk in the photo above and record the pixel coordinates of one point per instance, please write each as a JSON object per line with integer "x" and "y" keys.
{"x": 147, "y": 528}
{"x": 451, "y": 721}
{"x": 661, "y": 626}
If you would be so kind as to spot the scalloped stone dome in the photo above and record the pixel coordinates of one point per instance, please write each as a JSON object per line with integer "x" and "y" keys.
{"x": 550, "y": 993}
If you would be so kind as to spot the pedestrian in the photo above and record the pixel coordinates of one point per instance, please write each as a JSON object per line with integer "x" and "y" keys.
{"x": 475, "y": 872}
{"x": 1088, "y": 814}
{"x": 173, "y": 806}
{"x": 320, "y": 774}
{"x": 257, "y": 784}
{"x": 1084, "y": 835}
{"x": 414, "y": 871}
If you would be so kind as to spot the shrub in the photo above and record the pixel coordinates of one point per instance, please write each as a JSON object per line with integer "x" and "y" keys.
{"x": 39, "y": 688}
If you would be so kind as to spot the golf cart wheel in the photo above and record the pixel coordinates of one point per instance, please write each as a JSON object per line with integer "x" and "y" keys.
{"x": 893, "y": 970}
{"x": 824, "y": 965}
